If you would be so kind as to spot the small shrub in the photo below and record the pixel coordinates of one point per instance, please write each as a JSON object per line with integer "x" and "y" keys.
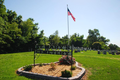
{"x": 28, "y": 68}
{"x": 73, "y": 67}
{"x": 66, "y": 73}
{"x": 53, "y": 65}
{"x": 40, "y": 64}
{"x": 66, "y": 60}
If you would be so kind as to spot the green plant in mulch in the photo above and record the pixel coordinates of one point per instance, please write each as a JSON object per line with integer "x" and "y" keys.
{"x": 73, "y": 68}
{"x": 53, "y": 65}
{"x": 66, "y": 73}
{"x": 28, "y": 68}
{"x": 40, "y": 64}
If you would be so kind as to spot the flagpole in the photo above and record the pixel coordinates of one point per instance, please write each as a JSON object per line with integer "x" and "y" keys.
{"x": 68, "y": 24}
{"x": 68, "y": 36}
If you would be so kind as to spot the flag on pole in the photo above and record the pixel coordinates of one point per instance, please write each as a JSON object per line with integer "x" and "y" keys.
{"x": 69, "y": 13}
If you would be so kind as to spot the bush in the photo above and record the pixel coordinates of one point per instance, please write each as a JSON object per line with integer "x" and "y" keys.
{"x": 53, "y": 65}
{"x": 66, "y": 73}
{"x": 73, "y": 67}
{"x": 40, "y": 64}
{"x": 28, "y": 68}
{"x": 66, "y": 60}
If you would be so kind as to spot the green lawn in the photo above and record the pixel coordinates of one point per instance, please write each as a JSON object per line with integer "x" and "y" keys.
{"x": 102, "y": 67}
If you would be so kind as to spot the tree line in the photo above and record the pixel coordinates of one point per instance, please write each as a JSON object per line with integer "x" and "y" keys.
{"x": 17, "y": 35}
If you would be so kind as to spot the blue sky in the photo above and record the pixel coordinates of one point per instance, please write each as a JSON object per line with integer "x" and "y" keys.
{"x": 51, "y": 15}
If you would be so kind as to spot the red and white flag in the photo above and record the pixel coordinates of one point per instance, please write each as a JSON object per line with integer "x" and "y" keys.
{"x": 69, "y": 13}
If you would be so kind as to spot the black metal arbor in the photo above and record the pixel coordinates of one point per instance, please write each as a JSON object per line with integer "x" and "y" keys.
{"x": 50, "y": 49}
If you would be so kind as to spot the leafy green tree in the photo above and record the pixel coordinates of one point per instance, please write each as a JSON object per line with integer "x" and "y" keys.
{"x": 40, "y": 38}
{"x": 3, "y": 13}
{"x": 77, "y": 40}
{"x": 96, "y": 45}
{"x": 104, "y": 46}
{"x": 118, "y": 48}
{"x": 113, "y": 46}
{"x": 73, "y": 39}
{"x": 19, "y": 21}
{"x": 51, "y": 39}
{"x": 11, "y": 16}
{"x": 27, "y": 29}
{"x": 46, "y": 40}
{"x": 56, "y": 38}
{"x": 5, "y": 38}
{"x": 15, "y": 34}
{"x": 100, "y": 46}
{"x": 85, "y": 43}
{"x": 14, "y": 31}
{"x": 93, "y": 36}
{"x": 64, "y": 40}
{"x": 103, "y": 39}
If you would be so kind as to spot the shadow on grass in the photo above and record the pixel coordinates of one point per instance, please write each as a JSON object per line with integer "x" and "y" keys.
{"x": 19, "y": 52}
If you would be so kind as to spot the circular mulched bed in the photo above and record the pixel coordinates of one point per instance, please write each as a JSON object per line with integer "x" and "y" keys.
{"x": 46, "y": 71}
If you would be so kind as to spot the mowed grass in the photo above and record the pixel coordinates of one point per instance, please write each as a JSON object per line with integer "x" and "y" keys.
{"x": 101, "y": 67}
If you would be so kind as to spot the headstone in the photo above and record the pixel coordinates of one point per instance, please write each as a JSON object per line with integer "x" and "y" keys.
{"x": 50, "y": 52}
{"x": 90, "y": 49}
{"x": 63, "y": 47}
{"x": 54, "y": 52}
{"x": 58, "y": 52}
{"x": 58, "y": 47}
{"x": 75, "y": 50}
{"x": 85, "y": 49}
{"x": 110, "y": 52}
{"x": 53, "y": 47}
{"x": 98, "y": 51}
{"x": 47, "y": 52}
{"x": 113, "y": 53}
{"x": 78, "y": 50}
{"x": 117, "y": 53}
{"x": 104, "y": 52}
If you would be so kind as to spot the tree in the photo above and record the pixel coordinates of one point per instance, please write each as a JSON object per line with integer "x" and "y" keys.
{"x": 64, "y": 40}
{"x": 11, "y": 16}
{"x": 104, "y": 46}
{"x": 5, "y": 38}
{"x": 85, "y": 43}
{"x": 103, "y": 39}
{"x": 45, "y": 39}
{"x": 51, "y": 39}
{"x": 73, "y": 39}
{"x": 15, "y": 34}
{"x": 27, "y": 29}
{"x": 113, "y": 46}
{"x": 96, "y": 45}
{"x": 93, "y": 36}
{"x": 3, "y": 10}
{"x": 77, "y": 40}
{"x": 56, "y": 38}
{"x": 40, "y": 38}
{"x": 19, "y": 21}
